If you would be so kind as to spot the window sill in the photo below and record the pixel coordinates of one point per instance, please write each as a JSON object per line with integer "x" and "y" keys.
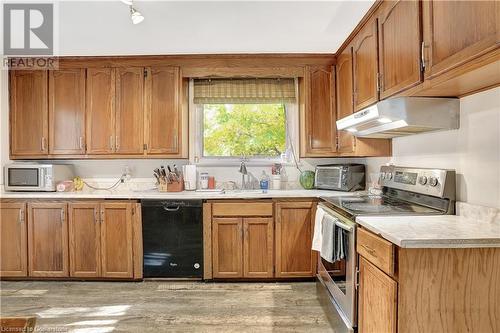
{"x": 237, "y": 162}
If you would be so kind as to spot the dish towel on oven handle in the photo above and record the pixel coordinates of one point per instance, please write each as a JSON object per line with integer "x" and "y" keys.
{"x": 317, "y": 239}
{"x": 329, "y": 238}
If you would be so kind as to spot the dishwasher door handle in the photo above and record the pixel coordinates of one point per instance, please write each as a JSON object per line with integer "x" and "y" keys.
{"x": 171, "y": 209}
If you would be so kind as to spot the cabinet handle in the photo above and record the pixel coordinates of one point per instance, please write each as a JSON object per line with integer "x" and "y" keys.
{"x": 43, "y": 143}
{"x": 369, "y": 250}
{"x": 21, "y": 216}
{"x": 117, "y": 142}
{"x": 62, "y": 215}
{"x": 96, "y": 216}
{"x": 111, "y": 143}
{"x": 102, "y": 215}
{"x": 422, "y": 56}
{"x": 80, "y": 142}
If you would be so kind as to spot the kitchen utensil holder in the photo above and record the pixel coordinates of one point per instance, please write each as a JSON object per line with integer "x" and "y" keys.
{"x": 174, "y": 186}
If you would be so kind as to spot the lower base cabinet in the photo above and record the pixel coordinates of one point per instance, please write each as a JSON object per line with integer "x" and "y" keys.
{"x": 242, "y": 247}
{"x": 13, "y": 240}
{"x": 71, "y": 239}
{"x": 260, "y": 240}
{"x": 377, "y": 308}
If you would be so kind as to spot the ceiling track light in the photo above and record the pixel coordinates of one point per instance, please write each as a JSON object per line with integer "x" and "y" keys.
{"x": 135, "y": 15}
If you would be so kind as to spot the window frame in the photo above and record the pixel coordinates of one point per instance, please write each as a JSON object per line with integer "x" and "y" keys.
{"x": 196, "y": 137}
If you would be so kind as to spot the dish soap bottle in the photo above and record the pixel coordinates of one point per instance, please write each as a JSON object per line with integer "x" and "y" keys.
{"x": 264, "y": 182}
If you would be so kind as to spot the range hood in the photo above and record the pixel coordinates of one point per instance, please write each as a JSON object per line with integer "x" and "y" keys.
{"x": 401, "y": 116}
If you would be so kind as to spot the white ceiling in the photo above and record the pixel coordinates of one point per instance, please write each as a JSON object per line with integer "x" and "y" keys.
{"x": 104, "y": 27}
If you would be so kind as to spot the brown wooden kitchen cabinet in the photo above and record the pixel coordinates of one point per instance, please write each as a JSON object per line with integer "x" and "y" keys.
{"x": 67, "y": 112}
{"x": 100, "y": 94}
{"x": 227, "y": 247}
{"x": 48, "y": 239}
{"x": 164, "y": 115}
{"x": 129, "y": 116}
{"x": 319, "y": 127}
{"x": 28, "y": 113}
{"x": 116, "y": 240}
{"x": 242, "y": 247}
{"x": 294, "y": 230}
{"x": 13, "y": 240}
{"x": 344, "y": 89}
{"x": 84, "y": 239}
{"x": 455, "y": 32}
{"x": 399, "y": 47}
{"x": 365, "y": 66}
{"x": 377, "y": 300}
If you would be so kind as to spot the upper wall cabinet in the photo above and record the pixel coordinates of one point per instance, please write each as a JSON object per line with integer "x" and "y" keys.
{"x": 164, "y": 120}
{"x": 129, "y": 116}
{"x": 100, "y": 110}
{"x": 344, "y": 97}
{"x": 365, "y": 64}
{"x": 319, "y": 119}
{"x": 28, "y": 113}
{"x": 457, "y": 31}
{"x": 399, "y": 46}
{"x": 67, "y": 112}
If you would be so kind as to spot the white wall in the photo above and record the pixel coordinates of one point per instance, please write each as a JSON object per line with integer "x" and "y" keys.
{"x": 473, "y": 150}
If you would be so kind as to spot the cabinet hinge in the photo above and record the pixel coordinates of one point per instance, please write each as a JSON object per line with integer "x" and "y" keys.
{"x": 378, "y": 81}
{"x": 133, "y": 210}
{"x": 145, "y": 146}
{"x": 356, "y": 279}
{"x": 145, "y": 72}
{"x": 422, "y": 57}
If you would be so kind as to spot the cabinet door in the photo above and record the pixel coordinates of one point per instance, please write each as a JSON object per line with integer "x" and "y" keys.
{"x": 365, "y": 62}
{"x": 258, "y": 244}
{"x": 227, "y": 247}
{"x": 163, "y": 118}
{"x": 47, "y": 240}
{"x": 320, "y": 117}
{"x": 130, "y": 110}
{"x": 13, "y": 246}
{"x": 28, "y": 113}
{"x": 67, "y": 111}
{"x": 116, "y": 240}
{"x": 344, "y": 97}
{"x": 377, "y": 303}
{"x": 84, "y": 239}
{"x": 399, "y": 46}
{"x": 294, "y": 230}
{"x": 100, "y": 110}
{"x": 457, "y": 31}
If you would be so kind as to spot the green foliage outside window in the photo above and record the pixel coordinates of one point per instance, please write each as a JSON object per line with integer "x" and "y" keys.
{"x": 233, "y": 130}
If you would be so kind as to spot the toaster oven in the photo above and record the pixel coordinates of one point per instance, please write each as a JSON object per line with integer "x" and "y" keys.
{"x": 35, "y": 177}
{"x": 340, "y": 177}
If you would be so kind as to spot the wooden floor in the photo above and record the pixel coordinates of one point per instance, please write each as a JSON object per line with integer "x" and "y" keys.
{"x": 91, "y": 307}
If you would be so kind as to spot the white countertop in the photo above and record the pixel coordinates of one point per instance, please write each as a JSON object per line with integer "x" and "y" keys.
{"x": 154, "y": 194}
{"x": 443, "y": 231}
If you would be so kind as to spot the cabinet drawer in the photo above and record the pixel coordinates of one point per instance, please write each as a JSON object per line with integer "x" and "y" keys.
{"x": 243, "y": 209}
{"x": 376, "y": 250}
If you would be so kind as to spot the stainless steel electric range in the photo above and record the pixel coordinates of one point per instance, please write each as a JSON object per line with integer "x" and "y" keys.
{"x": 404, "y": 191}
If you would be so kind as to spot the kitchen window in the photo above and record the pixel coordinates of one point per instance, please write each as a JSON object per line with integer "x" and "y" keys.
{"x": 254, "y": 119}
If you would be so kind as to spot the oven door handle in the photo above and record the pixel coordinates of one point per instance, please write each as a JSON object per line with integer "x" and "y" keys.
{"x": 344, "y": 226}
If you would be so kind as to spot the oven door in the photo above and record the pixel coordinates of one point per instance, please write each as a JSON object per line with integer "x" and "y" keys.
{"x": 24, "y": 178}
{"x": 340, "y": 277}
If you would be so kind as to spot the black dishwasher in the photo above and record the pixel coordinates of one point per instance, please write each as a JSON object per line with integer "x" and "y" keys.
{"x": 172, "y": 232}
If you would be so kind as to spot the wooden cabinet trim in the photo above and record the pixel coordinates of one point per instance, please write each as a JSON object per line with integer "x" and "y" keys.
{"x": 242, "y": 209}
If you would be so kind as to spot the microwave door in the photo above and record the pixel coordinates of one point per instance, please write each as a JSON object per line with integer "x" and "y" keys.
{"x": 24, "y": 177}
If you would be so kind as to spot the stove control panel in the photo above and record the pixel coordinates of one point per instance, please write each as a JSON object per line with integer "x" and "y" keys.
{"x": 435, "y": 182}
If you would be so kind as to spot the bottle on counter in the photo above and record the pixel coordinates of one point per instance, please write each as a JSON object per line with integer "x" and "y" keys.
{"x": 264, "y": 182}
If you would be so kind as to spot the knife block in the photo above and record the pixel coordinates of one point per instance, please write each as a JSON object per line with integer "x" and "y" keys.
{"x": 172, "y": 187}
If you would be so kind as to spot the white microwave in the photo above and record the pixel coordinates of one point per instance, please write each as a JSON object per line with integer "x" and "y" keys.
{"x": 35, "y": 177}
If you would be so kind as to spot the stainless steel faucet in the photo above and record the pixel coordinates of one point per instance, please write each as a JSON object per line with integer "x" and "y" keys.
{"x": 243, "y": 171}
